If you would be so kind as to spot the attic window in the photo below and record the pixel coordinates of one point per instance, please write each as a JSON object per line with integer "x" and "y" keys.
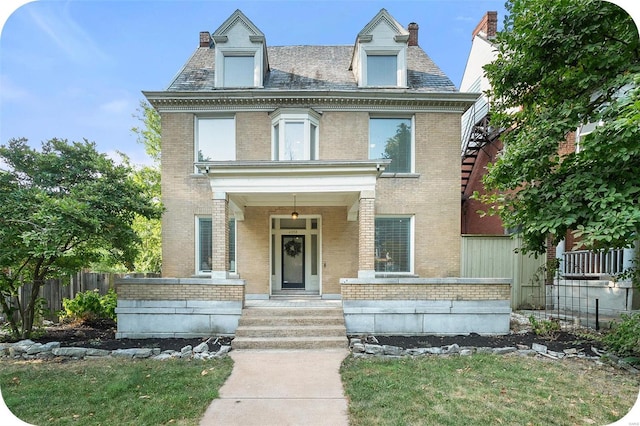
{"x": 382, "y": 70}
{"x": 239, "y": 71}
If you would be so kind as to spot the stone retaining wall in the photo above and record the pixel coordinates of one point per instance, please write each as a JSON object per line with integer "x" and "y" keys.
{"x": 444, "y": 306}
{"x": 178, "y": 307}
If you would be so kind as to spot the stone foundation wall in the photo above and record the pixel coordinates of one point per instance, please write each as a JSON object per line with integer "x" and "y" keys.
{"x": 170, "y": 307}
{"x": 414, "y": 306}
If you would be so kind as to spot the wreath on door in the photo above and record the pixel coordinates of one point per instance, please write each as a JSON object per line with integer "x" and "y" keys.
{"x": 293, "y": 248}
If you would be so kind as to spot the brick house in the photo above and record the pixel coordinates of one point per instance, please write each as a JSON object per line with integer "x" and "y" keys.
{"x": 318, "y": 171}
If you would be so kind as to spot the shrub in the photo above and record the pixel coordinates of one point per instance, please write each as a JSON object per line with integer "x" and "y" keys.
{"x": 545, "y": 328}
{"x": 90, "y": 305}
{"x": 624, "y": 337}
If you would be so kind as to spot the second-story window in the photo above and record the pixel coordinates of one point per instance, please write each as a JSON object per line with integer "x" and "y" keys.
{"x": 392, "y": 138}
{"x": 215, "y": 139}
{"x": 295, "y": 135}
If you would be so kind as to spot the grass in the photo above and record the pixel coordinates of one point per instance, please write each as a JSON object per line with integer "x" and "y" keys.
{"x": 112, "y": 391}
{"x": 485, "y": 389}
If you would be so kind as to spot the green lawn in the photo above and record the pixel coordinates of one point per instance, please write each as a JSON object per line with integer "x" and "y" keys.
{"x": 485, "y": 390}
{"x": 112, "y": 391}
{"x": 482, "y": 389}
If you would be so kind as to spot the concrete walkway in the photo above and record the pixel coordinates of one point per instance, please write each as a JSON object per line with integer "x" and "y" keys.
{"x": 281, "y": 387}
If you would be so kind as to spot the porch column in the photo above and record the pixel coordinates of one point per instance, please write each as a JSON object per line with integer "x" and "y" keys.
{"x": 366, "y": 235}
{"x": 220, "y": 225}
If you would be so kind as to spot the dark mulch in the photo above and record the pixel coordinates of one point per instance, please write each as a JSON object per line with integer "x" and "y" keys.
{"x": 101, "y": 334}
{"x": 562, "y": 340}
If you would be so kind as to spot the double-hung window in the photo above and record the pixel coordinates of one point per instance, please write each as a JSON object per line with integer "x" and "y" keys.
{"x": 295, "y": 135}
{"x": 238, "y": 71}
{"x": 393, "y": 244}
{"x": 391, "y": 138}
{"x": 204, "y": 244}
{"x": 215, "y": 139}
{"x": 382, "y": 70}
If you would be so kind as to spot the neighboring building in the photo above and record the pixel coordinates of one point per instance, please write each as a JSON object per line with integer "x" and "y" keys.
{"x": 583, "y": 275}
{"x": 480, "y": 141}
{"x": 328, "y": 171}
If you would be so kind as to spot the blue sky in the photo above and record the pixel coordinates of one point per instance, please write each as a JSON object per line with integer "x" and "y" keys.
{"x": 75, "y": 69}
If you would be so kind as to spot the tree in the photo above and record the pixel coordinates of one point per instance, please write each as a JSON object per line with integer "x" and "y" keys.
{"x": 61, "y": 208}
{"x": 397, "y": 149}
{"x": 560, "y": 65}
{"x": 149, "y": 230}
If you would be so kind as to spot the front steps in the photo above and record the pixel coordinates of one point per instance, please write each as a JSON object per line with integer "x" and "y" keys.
{"x": 300, "y": 327}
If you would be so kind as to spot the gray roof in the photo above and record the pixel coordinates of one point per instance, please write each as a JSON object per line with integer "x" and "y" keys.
{"x": 310, "y": 68}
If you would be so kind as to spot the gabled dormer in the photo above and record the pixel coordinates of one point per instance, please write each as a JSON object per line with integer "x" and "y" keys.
{"x": 380, "y": 54}
{"x": 240, "y": 53}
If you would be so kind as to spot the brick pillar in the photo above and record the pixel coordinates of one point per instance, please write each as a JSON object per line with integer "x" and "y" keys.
{"x": 220, "y": 225}
{"x": 366, "y": 236}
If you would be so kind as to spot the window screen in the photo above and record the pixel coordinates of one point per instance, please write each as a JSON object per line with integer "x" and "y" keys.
{"x": 393, "y": 244}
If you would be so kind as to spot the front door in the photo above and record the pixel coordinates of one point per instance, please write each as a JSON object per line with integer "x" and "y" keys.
{"x": 293, "y": 261}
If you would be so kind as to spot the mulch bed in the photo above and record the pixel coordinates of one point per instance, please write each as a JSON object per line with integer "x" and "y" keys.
{"x": 100, "y": 334}
{"x": 562, "y": 340}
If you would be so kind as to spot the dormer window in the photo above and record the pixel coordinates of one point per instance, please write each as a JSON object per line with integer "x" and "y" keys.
{"x": 240, "y": 53}
{"x": 239, "y": 71}
{"x": 380, "y": 55}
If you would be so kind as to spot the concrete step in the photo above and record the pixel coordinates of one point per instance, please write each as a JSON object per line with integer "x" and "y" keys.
{"x": 289, "y": 342}
{"x": 247, "y": 321}
{"x": 291, "y": 331}
{"x": 288, "y": 327}
{"x": 293, "y": 312}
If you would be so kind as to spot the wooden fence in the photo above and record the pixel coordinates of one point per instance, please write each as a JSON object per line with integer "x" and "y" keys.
{"x": 493, "y": 256}
{"x": 55, "y": 290}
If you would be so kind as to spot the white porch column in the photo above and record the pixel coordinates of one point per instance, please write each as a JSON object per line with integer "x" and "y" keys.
{"x": 220, "y": 225}
{"x": 366, "y": 235}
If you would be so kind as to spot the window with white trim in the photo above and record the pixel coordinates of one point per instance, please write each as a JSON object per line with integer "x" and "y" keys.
{"x": 239, "y": 71}
{"x": 382, "y": 70}
{"x": 391, "y": 138}
{"x": 382, "y": 66}
{"x": 393, "y": 244}
{"x": 204, "y": 244}
{"x": 295, "y": 135}
{"x": 215, "y": 139}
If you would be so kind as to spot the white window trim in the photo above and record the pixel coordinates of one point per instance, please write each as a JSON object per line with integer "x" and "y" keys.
{"x": 399, "y": 51}
{"x": 306, "y": 116}
{"x": 198, "y": 262}
{"x": 196, "y": 136}
{"x": 257, "y": 54}
{"x": 413, "y": 141}
{"x": 412, "y": 245}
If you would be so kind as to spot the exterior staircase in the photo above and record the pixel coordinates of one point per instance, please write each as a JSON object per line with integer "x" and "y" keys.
{"x": 291, "y": 326}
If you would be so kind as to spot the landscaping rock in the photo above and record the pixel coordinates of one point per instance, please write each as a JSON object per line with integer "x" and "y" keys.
{"x": 502, "y": 351}
{"x": 466, "y": 352}
{"x": 93, "y": 352}
{"x": 357, "y": 347}
{"x": 434, "y": 351}
{"x": 202, "y": 347}
{"x": 392, "y": 350}
{"x": 70, "y": 352}
{"x": 539, "y": 348}
{"x": 224, "y": 349}
{"x": 451, "y": 349}
{"x": 373, "y": 349}
{"x": 132, "y": 353}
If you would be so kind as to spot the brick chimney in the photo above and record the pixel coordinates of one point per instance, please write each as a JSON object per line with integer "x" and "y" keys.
{"x": 205, "y": 39}
{"x": 488, "y": 25}
{"x": 413, "y": 34}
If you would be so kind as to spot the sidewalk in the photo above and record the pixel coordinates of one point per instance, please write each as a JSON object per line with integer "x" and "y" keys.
{"x": 281, "y": 387}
